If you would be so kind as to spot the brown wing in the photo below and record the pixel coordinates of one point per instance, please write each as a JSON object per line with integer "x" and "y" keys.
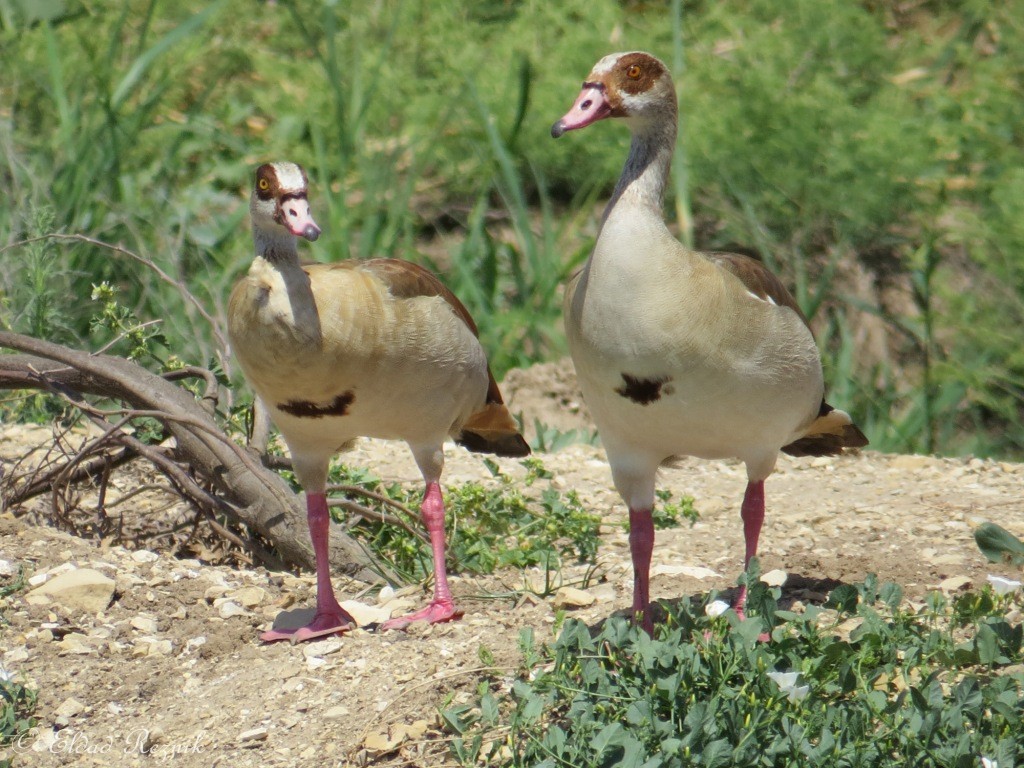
{"x": 491, "y": 429}
{"x": 406, "y": 280}
{"x": 757, "y": 279}
{"x": 832, "y": 430}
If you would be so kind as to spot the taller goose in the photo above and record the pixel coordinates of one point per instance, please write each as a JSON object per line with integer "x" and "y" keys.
{"x": 680, "y": 352}
{"x": 376, "y": 348}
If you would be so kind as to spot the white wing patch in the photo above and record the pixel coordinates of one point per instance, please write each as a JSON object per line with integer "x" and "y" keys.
{"x": 766, "y": 299}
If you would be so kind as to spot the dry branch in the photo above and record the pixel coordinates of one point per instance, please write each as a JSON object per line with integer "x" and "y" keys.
{"x": 246, "y": 491}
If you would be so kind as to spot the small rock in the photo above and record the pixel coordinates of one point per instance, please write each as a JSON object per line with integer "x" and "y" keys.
{"x": 322, "y": 648}
{"x": 229, "y": 608}
{"x": 144, "y": 556}
{"x": 76, "y": 643}
{"x": 159, "y": 647}
{"x": 6, "y": 569}
{"x": 16, "y": 655}
{"x": 214, "y": 592}
{"x": 249, "y": 597}
{"x": 366, "y": 614}
{"x": 387, "y": 592}
{"x": 955, "y": 583}
{"x": 336, "y": 713}
{"x": 253, "y": 737}
{"x": 84, "y": 589}
{"x": 693, "y": 571}
{"x": 37, "y": 578}
{"x": 145, "y": 624}
{"x": 571, "y": 597}
{"x": 775, "y": 578}
{"x": 70, "y": 707}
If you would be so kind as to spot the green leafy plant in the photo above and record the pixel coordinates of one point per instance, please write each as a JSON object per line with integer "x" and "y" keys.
{"x": 488, "y": 527}
{"x": 868, "y": 682}
{"x": 551, "y": 439}
{"x": 120, "y": 324}
{"x": 670, "y": 514}
{"x": 17, "y": 705}
{"x": 999, "y": 545}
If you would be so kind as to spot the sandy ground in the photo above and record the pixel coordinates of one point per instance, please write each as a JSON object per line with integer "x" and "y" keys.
{"x": 167, "y": 674}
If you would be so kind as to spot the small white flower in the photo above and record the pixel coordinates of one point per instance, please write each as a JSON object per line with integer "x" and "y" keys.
{"x": 985, "y": 762}
{"x": 785, "y": 680}
{"x": 5, "y": 676}
{"x": 716, "y": 608}
{"x": 787, "y": 684}
{"x": 1002, "y": 586}
{"x": 798, "y": 692}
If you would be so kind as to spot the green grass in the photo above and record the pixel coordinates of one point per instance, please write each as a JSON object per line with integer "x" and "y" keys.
{"x": 871, "y": 153}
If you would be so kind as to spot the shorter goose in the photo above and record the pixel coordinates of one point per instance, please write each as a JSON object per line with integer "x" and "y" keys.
{"x": 375, "y": 348}
{"x": 680, "y": 352}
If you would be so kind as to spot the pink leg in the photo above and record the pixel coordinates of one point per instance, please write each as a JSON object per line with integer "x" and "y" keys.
{"x": 442, "y": 607}
{"x": 752, "y": 513}
{"x": 330, "y": 617}
{"x": 641, "y": 544}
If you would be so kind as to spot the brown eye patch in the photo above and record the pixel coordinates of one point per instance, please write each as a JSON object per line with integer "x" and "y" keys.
{"x": 266, "y": 182}
{"x": 638, "y": 72}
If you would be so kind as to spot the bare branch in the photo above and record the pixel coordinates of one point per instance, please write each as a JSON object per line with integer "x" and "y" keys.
{"x": 245, "y": 489}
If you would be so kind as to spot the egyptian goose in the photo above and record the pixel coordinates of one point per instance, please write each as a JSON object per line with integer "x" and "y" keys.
{"x": 375, "y": 348}
{"x": 680, "y": 352}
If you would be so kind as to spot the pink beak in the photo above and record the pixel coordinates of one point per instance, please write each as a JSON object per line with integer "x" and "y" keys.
{"x": 591, "y": 105}
{"x": 297, "y": 218}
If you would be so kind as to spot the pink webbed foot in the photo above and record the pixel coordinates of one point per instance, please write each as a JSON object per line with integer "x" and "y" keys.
{"x": 322, "y": 625}
{"x": 438, "y": 612}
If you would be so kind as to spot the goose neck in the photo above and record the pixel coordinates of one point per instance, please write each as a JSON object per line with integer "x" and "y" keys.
{"x": 646, "y": 171}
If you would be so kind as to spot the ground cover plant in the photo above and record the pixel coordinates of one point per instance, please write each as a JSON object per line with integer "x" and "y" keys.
{"x": 867, "y": 680}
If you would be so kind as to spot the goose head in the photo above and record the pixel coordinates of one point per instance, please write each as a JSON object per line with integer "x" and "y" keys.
{"x": 279, "y": 204}
{"x": 633, "y": 85}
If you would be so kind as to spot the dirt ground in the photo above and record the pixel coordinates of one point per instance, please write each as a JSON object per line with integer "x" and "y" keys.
{"x": 172, "y": 672}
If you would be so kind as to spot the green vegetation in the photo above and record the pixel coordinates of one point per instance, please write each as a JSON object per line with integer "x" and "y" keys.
{"x": 865, "y": 681}
{"x": 17, "y": 704}
{"x": 487, "y": 528}
{"x": 870, "y": 152}
{"x": 17, "y": 701}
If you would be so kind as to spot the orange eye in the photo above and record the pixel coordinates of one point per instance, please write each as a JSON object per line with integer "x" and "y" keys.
{"x": 633, "y": 72}
{"x": 263, "y": 184}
